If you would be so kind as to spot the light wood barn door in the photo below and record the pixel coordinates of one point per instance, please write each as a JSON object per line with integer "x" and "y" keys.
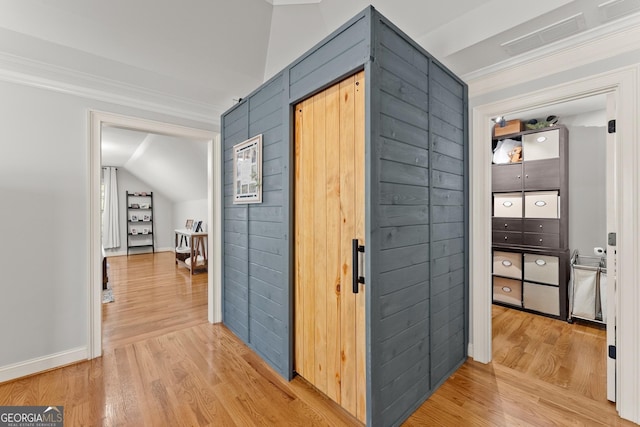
{"x": 329, "y": 213}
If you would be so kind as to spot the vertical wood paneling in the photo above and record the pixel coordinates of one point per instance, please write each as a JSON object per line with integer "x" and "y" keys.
{"x": 347, "y": 204}
{"x": 307, "y": 234}
{"x": 320, "y": 240}
{"x": 332, "y": 155}
{"x": 359, "y": 168}
{"x": 330, "y": 212}
{"x": 298, "y": 295}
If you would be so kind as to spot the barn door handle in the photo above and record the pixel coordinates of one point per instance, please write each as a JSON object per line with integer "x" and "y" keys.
{"x": 355, "y": 275}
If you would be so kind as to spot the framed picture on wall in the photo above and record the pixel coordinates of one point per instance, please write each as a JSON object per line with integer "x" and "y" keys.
{"x": 247, "y": 171}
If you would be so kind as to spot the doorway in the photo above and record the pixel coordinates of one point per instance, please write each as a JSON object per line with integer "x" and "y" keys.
{"x": 570, "y": 356}
{"x": 623, "y": 85}
{"x": 329, "y": 230}
{"x": 99, "y": 119}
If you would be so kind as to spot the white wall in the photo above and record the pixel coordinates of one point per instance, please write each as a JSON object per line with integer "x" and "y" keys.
{"x": 190, "y": 209}
{"x": 587, "y": 189}
{"x": 44, "y": 222}
{"x": 162, "y": 214}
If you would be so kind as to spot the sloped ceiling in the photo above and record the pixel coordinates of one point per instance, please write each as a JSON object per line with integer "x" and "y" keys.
{"x": 176, "y": 167}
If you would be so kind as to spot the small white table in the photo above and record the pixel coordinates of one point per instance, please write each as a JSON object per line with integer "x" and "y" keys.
{"x": 195, "y": 254}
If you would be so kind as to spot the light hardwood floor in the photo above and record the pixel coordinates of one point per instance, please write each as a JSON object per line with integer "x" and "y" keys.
{"x": 165, "y": 365}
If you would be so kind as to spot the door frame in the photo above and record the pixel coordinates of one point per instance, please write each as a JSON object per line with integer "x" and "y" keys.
{"x": 623, "y": 84}
{"x": 214, "y": 191}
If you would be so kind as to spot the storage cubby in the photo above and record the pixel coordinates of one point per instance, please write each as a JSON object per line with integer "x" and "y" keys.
{"x": 530, "y": 226}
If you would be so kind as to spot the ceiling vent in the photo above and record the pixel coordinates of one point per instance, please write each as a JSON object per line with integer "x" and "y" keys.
{"x": 544, "y": 36}
{"x": 290, "y": 2}
{"x": 615, "y": 9}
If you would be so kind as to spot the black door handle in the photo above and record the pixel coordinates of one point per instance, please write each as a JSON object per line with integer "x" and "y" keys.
{"x": 355, "y": 275}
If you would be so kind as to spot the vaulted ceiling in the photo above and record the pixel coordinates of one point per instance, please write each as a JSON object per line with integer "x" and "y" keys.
{"x": 193, "y": 58}
{"x": 203, "y": 54}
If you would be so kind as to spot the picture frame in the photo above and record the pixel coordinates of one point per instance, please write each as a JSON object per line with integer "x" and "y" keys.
{"x": 247, "y": 171}
{"x": 146, "y": 217}
{"x": 189, "y": 224}
{"x": 134, "y": 218}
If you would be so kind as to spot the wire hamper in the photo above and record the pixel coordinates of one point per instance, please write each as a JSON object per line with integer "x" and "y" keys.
{"x": 588, "y": 288}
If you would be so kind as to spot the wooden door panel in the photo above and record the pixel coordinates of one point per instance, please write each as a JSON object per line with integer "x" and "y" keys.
{"x": 329, "y": 212}
{"x": 348, "y": 230}
{"x": 361, "y": 344}
{"x": 320, "y": 241}
{"x": 332, "y": 150}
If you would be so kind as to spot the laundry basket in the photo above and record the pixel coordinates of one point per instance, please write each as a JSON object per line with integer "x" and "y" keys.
{"x": 587, "y": 288}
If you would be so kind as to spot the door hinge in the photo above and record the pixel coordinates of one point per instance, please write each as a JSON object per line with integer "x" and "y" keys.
{"x": 612, "y": 352}
{"x": 612, "y": 238}
{"x": 611, "y": 127}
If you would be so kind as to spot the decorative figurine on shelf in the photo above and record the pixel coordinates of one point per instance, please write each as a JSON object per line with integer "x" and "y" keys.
{"x": 516, "y": 154}
{"x": 539, "y": 124}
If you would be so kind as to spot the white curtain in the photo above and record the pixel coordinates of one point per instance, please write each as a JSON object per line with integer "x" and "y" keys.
{"x": 110, "y": 223}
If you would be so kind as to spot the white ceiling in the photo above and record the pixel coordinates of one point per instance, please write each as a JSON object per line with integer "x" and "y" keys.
{"x": 176, "y": 167}
{"x": 211, "y": 52}
{"x": 203, "y": 54}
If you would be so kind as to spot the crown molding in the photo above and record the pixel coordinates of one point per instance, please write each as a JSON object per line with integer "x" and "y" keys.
{"x": 25, "y": 71}
{"x": 590, "y": 46}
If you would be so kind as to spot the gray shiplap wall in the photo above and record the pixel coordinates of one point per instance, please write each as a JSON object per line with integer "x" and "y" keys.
{"x": 255, "y": 290}
{"x": 415, "y": 178}
{"x": 418, "y": 184}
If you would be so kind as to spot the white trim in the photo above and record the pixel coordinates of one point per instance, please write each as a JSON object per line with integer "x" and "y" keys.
{"x": 612, "y": 227}
{"x": 480, "y": 242}
{"x": 601, "y": 43}
{"x": 215, "y": 243}
{"x": 124, "y": 253}
{"x": 16, "y": 69}
{"x": 44, "y": 363}
{"x": 624, "y": 83}
{"x": 96, "y": 120}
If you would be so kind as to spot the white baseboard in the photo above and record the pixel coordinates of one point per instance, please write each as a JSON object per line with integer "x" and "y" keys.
{"x": 124, "y": 253}
{"x": 40, "y": 364}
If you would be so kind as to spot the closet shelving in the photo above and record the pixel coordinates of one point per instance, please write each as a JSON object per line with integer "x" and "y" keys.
{"x": 530, "y": 224}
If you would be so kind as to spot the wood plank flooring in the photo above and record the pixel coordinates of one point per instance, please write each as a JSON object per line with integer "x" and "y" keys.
{"x": 158, "y": 372}
{"x": 153, "y": 296}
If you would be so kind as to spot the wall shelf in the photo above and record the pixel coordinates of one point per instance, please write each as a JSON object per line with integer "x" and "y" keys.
{"x": 140, "y": 221}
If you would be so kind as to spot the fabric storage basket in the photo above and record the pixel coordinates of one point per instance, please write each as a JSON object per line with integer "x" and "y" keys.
{"x": 541, "y": 204}
{"x": 542, "y": 298}
{"x": 507, "y": 290}
{"x": 507, "y": 205}
{"x": 541, "y": 268}
{"x": 541, "y": 145}
{"x": 508, "y": 264}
